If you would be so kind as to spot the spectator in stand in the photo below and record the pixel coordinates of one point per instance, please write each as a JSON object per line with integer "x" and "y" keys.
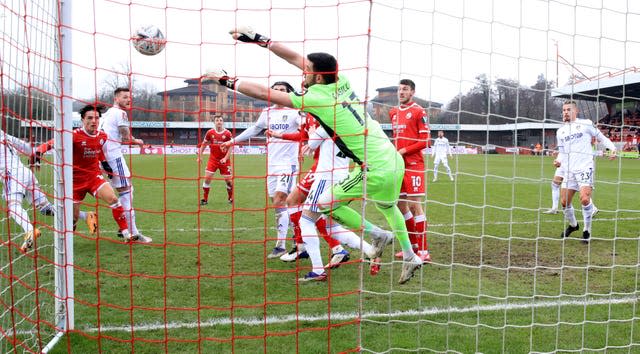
{"x": 629, "y": 145}
{"x": 537, "y": 150}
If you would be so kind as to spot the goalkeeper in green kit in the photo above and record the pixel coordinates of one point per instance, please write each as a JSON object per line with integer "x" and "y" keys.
{"x": 332, "y": 102}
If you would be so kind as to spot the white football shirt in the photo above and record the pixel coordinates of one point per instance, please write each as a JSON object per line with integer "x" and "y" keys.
{"x": 441, "y": 147}
{"x": 574, "y": 144}
{"x": 332, "y": 165}
{"x": 10, "y": 147}
{"x": 110, "y": 122}
{"x": 280, "y": 153}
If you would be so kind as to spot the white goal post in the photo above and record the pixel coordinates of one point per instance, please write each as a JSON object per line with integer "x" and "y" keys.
{"x": 36, "y": 289}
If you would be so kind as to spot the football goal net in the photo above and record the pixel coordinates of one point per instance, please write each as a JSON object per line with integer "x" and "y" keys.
{"x": 223, "y": 273}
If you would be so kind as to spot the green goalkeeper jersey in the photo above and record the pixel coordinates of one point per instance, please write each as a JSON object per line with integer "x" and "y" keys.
{"x": 337, "y": 108}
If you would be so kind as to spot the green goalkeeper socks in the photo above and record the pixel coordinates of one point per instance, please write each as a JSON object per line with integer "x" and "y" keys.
{"x": 396, "y": 221}
{"x": 353, "y": 220}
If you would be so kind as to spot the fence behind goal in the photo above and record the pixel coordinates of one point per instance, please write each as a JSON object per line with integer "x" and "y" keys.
{"x": 502, "y": 280}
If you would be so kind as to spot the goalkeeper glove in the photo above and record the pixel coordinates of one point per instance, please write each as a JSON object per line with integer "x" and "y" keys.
{"x": 222, "y": 78}
{"x": 247, "y": 34}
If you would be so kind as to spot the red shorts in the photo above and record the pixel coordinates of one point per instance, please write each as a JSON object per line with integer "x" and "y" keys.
{"x": 213, "y": 165}
{"x": 86, "y": 184}
{"x": 307, "y": 181}
{"x": 413, "y": 183}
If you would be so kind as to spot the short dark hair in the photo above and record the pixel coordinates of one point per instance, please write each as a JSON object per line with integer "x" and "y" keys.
{"x": 409, "y": 83}
{"x": 91, "y": 108}
{"x": 326, "y": 65}
{"x": 285, "y": 84}
{"x": 120, "y": 89}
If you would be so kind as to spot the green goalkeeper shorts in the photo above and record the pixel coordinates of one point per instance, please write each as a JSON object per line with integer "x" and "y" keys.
{"x": 382, "y": 185}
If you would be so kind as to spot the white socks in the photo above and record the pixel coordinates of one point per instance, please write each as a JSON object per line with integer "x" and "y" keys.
{"x": 570, "y": 215}
{"x": 282, "y": 226}
{"x": 555, "y": 195}
{"x": 587, "y": 214}
{"x": 311, "y": 243}
{"x": 349, "y": 238}
{"x": 19, "y": 215}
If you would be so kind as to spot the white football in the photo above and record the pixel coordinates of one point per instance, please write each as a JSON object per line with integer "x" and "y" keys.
{"x": 148, "y": 40}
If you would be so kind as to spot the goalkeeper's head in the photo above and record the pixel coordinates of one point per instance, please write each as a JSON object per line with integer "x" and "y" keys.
{"x": 320, "y": 68}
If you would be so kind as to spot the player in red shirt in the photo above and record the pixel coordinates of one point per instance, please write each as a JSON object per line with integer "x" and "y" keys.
{"x": 88, "y": 144}
{"x": 218, "y": 159}
{"x": 411, "y": 136}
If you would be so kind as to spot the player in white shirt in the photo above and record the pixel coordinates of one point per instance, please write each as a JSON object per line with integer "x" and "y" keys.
{"x": 282, "y": 160}
{"x": 576, "y": 155}
{"x": 439, "y": 151}
{"x": 115, "y": 122}
{"x": 20, "y": 183}
{"x": 556, "y": 184}
{"x": 332, "y": 168}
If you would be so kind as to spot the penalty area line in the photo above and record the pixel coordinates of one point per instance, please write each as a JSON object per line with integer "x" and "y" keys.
{"x": 431, "y": 311}
{"x": 271, "y": 228}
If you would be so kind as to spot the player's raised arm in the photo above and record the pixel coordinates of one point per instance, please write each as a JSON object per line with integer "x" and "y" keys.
{"x": 35, "y": 158}
{"x": 247, "y": 34}
{"x": 251, "y": 89}
{"x": 20, "y": 145}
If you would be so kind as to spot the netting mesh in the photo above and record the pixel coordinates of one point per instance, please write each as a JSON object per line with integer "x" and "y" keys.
{"x": 28, "y": 60}
{"x": 487, "y": 72}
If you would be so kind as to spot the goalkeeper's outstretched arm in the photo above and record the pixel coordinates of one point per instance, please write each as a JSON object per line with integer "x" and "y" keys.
{"x": 247, "y": 34}
{"x": 251, "y": 89}
{"x": 292, "y": 57}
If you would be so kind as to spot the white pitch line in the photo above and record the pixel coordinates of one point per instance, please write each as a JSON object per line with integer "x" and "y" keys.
{"x": 533, "y": 222}
{"x": 432, "y": 311}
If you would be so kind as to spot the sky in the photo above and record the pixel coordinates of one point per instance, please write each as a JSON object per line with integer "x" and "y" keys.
{"x": 441, "y": 44}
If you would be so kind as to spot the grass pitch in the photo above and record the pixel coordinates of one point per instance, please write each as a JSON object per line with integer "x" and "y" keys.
{"x": 502, "y": 279}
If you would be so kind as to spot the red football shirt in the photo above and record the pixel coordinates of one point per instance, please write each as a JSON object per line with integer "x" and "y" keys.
{"x": 410, "y": 131}
{"x": 87, "y": 153}
{"x": 302, "y": 135}
{"x": 214, "y": 139}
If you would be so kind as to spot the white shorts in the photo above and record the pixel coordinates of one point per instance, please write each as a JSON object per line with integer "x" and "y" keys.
{"x": 562, "y": 173}
{"x": 579, "y": 179}
{"x": 439, "y": 159}
{"x": 20, "y": 183}
{"x": 120, "y": 175}
{"x": 281, "y": 180}
{"x": 318, "y": 187}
